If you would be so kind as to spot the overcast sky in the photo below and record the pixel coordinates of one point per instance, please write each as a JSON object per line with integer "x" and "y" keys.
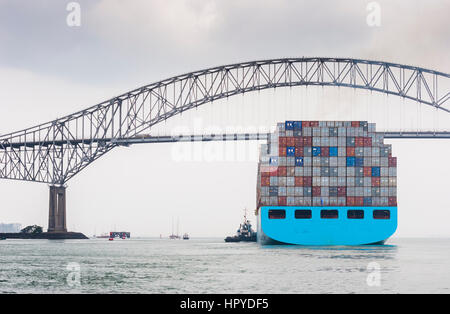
{"x": 49, "y": 69}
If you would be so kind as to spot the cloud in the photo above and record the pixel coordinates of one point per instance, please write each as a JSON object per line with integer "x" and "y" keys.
{"x": 144, "y": 41}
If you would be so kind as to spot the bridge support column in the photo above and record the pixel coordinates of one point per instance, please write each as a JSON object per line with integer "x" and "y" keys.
{"x": 57, "y": 209}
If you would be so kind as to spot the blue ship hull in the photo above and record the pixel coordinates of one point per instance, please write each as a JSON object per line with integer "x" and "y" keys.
{"x": 324, "y": 231}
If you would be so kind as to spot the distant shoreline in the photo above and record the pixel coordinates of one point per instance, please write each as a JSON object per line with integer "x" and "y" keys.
{"x": 45, "y": 235}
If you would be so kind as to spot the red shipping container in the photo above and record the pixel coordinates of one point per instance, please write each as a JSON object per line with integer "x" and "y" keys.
{"x": 282, "y": 140}
{"x": 307, "y": 141}
{"x": 342, "y": 191}
{"x": 359, "y": 141}
{"x": 359, "y": 201}
{"x": 299, "y": 151}
{"x": 350, "y": 201}
{"x": 290, "y": 141}
{"x": 282, "y": 171}
{"x": 324, "y": 151}
{"x": 316, "y": 191}
{"x": 375, "y": 181}
{"x": 307, "y": 181}
{"x": 367, "y": 171}
{"x": 367, "y": 141}
{"x": 282, "y": 200}
{"x": 298, "y": 142}
{"x": 392, "y": 161}
{"x": 392, "y": 201}
{"x": 298, "y": 181}
{"x": 355, "y": 124}
{"x": 305, "y": 124}
{"x": 282, "y": 152}
{"x": 265, "y": 174}
{"x": 350, "y": 151}
{"x": 314, "y": 123}
{"x": 273, "y": 171}
{"x": 265, "y": 181}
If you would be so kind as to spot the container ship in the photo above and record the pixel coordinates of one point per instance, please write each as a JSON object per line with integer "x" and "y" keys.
{"x": 326, "y": 183}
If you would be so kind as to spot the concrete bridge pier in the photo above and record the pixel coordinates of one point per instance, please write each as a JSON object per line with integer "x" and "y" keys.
{"x": 57, "y": 209}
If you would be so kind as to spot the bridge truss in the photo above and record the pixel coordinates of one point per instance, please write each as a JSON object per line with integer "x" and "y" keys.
{"x": 54, "y": 152}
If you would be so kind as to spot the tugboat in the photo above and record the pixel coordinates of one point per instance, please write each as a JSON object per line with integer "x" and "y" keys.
{"x": 244, "y": 233}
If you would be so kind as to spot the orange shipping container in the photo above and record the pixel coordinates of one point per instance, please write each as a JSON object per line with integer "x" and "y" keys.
{"x": 298, "y": 181}
{"x": 350, "y": 151}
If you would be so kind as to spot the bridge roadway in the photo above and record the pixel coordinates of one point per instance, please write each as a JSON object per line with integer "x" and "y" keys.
{"x": 148, "y": 139}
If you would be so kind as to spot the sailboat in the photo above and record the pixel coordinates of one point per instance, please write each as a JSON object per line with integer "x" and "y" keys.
{"x": 174, "y": 236}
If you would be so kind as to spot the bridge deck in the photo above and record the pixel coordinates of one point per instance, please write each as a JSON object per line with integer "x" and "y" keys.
{"x": 204, "y": 138}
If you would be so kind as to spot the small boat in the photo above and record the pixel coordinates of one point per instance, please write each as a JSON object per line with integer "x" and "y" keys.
{"x": 111, "y": 239}
{"x": 3, "y": 238}
{"x": 174, "y": 236}
{"x": 185, "y": 236}
{"x": 245, "y": 232}
{"x": 103, "y": 236}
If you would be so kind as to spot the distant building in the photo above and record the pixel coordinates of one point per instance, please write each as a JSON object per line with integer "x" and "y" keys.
{"x": 10, "y": 228}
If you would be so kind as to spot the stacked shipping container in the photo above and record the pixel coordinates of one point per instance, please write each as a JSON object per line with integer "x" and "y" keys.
{"x": 326, "y": 163}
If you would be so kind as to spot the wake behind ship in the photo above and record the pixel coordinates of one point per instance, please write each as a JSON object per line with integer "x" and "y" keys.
{"x": 326, "y": 183}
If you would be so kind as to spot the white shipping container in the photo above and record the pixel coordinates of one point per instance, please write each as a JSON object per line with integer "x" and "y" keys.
{"x": 333, "y": 161}
{"x": 307, "y": 172}
{"x": 341, "y": 181}
{"x": 392, "y": 171}
{"x": 392, "y": 181}
{"x": 298, "y": 172}
{"x": 273, "y": 181}
{"x": 350, "y": 171}
{"x": 307, "y": 131}
{"x": 298, "y": 191}
{"x": 333, "y": 181}
{"x": 351, "y": 191}
{"x": 307, "y": 161}
{"x": 290, "y": 201}
{"x": 316, "y": 181}
{"x": 350, "y": 181}
{"x": 290, "y": 181}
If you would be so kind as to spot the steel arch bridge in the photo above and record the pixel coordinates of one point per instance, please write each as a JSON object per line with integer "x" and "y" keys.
{"x": 54, "y": 152}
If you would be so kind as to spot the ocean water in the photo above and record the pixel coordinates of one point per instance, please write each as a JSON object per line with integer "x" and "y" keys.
{"x": 146, "y": 265}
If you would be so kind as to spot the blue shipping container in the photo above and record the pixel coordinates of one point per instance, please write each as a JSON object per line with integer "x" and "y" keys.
{"x": 290, "y": 151}
{"x": 333, "y": 151}
{"x": 316, "y": 151}
{"x": 273, "y": 191}
{"x": 299, "y": 161}
{"x": 359, "y": 162}
{"x": 350, "y": 161}
{"x": 375, "y": 171}
{"x": 289, "y": 125}
{"x": 297, "y": 125}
